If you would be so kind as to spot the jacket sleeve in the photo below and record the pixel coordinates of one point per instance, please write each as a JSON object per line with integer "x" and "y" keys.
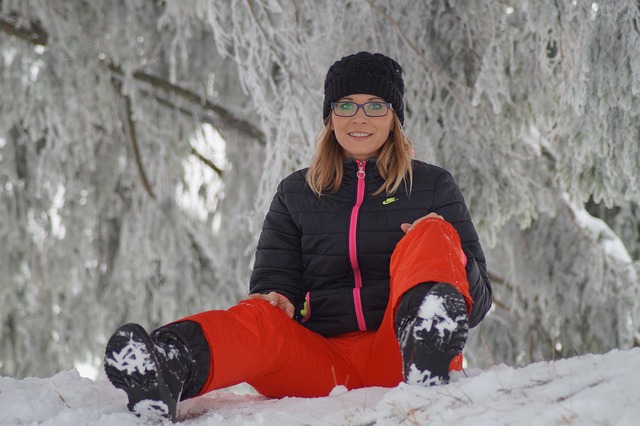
{"x": 450, "y": 204}
{"x": 278, "y": 260}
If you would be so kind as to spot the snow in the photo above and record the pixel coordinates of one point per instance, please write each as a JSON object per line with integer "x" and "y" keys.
{"x": 434, "y": 307}
{"x": 586, "y": 390}
{"x": 133, "y": 357}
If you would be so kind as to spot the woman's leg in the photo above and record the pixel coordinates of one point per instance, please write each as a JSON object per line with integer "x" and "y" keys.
{"x": 429, "y": 253}
{"x": 382, "y": 365}
{"x": 257, "y": 343}
{"x": 252, "y": 342}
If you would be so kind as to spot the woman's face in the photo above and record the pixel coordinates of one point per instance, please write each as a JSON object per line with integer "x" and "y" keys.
{"x": 361, "y": 136}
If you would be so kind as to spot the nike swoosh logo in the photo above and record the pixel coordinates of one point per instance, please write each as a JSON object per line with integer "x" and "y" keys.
{"x": 390, "y": 200}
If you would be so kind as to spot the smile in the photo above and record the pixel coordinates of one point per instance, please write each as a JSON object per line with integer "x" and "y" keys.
{"x": 359, "y": 135}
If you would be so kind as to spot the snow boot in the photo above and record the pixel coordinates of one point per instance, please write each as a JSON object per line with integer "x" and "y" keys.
{"x": 432, "y": 327}
{"x": 151, "y": 371}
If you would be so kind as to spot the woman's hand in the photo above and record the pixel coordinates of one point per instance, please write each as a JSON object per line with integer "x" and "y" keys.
{"x": 406, "y": 227}
{"x": 277, "y": 300}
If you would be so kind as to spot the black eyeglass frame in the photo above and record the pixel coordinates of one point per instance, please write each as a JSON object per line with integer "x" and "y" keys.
{"x": 361, "y": 106}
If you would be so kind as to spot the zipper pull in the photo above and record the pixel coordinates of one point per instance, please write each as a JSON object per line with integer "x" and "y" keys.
{"x": 361, "y": 164}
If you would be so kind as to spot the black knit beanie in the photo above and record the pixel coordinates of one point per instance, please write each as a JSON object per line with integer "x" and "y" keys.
{"x": 365, "y": 73}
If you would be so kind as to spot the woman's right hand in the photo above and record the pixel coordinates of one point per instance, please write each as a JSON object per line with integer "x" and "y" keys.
{"x": 275, "y": 299}
{"x": 406, "y": 227}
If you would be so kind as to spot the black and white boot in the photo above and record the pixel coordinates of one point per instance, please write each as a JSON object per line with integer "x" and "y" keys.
{"x": 432, "y": 327}
{"x": 151, "y": 371}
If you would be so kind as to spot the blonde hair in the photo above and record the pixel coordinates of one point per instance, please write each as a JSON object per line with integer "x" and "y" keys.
{"x": 393, "y": 162}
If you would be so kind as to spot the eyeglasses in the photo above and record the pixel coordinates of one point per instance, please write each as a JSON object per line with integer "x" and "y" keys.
{"x": 371, "y": 109}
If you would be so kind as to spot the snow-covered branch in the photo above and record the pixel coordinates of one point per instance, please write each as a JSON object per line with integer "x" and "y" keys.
{"x": 208, "y": 109}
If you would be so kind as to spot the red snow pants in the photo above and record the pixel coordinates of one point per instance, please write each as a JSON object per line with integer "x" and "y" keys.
{"x": 257, "y": 343}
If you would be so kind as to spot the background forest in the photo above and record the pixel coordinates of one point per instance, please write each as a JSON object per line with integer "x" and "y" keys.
{"x": 141, "y": 142}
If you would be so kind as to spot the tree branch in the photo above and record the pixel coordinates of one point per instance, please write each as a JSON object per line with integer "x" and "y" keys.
{"x": 37, "y": 35}
{"x": 131, "y": 127}
{"x": 206, "y": 161}
{"x": 34, "y": 34}
{"x": 226, "y": 118}
{"x": 136, "y": 148}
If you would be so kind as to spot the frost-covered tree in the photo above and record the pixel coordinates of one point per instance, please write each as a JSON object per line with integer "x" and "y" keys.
{"x": 141, "y": 142}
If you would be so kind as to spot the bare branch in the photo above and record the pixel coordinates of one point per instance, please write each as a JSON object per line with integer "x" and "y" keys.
{"x": 136, "y": 149}
{"x": 131, "y": 127}
{"x": 34, "y": 34}
{"x": 206, "y": 161}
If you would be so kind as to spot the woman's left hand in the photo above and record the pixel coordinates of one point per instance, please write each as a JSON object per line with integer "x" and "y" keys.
{"x": 406, "y": 227}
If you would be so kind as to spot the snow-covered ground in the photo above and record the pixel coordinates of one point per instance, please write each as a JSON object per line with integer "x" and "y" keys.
{"x": 586, "y": 390}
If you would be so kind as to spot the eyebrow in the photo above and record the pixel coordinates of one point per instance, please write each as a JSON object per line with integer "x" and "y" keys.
{"x": 371, "y": 99}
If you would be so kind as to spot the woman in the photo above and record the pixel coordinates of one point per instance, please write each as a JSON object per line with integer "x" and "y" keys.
{"x": 368, "y": 271}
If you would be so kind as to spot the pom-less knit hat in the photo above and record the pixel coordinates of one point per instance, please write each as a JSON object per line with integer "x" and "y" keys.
{"x": 365, "y": 73}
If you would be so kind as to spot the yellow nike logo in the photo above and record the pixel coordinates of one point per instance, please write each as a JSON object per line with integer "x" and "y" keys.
{"x": 390, "y": 200}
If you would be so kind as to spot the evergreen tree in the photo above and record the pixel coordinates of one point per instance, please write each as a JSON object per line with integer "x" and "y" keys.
{"x": 119, "y": 202}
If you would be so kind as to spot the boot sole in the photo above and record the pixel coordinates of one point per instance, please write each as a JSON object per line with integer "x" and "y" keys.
{"x": 131, "y": 365}
{"x": 437, "y": 334}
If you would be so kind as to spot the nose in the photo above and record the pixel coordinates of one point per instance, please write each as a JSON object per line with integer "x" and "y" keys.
{"x": 359, "y": 116}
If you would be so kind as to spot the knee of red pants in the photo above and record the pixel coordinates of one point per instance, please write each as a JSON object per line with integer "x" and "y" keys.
{"x": 430, "y": 252}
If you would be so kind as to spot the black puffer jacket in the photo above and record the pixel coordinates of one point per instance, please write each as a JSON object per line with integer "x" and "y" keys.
{"x": 304, "y": 250}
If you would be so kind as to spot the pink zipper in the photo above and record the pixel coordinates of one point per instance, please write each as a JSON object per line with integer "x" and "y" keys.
{"x": 353, "y": 255}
